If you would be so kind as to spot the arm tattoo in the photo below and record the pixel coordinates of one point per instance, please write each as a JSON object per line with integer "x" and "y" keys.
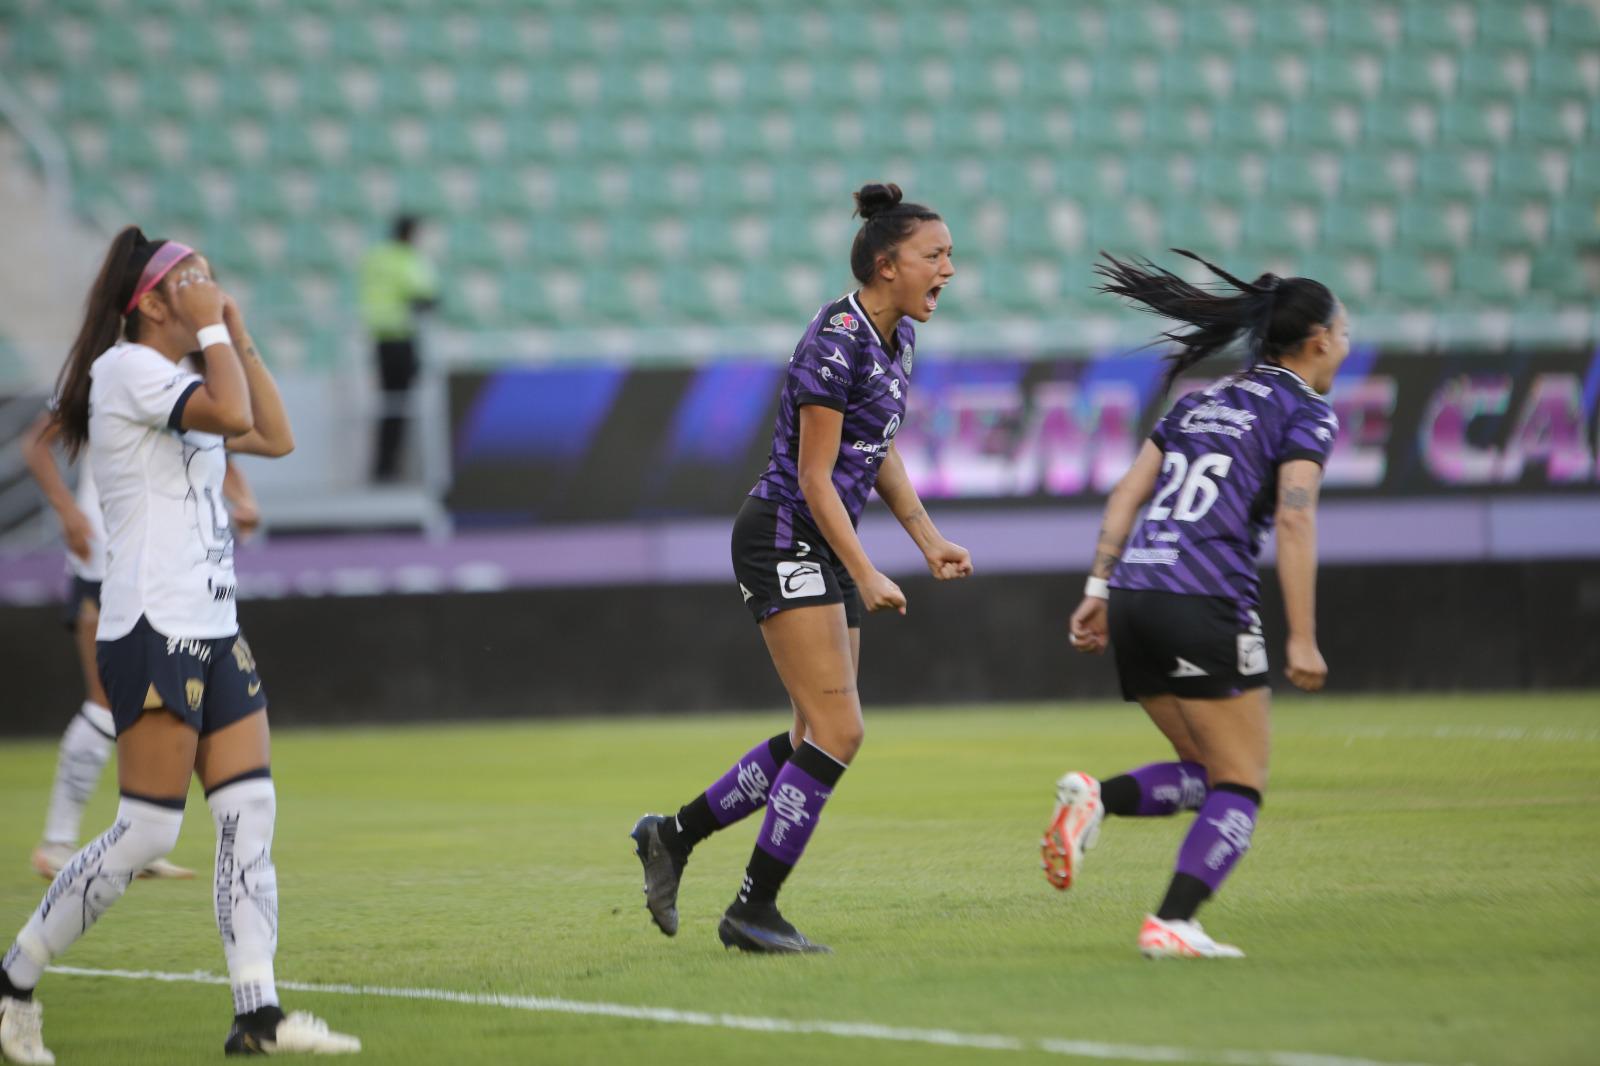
{"x": 1295, "y": 498}
{"x": 1104, "y": 563}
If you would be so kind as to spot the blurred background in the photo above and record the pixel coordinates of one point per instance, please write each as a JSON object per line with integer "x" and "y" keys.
{"x": 626, "y": 214}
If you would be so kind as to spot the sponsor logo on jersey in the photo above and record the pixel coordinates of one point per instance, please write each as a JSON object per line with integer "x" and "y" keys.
{"x": 845, "y": 320}
{"x": 877, "y": 371}
{"x": 1217, "y": 417}
{"x": 838, "y": 357}
{"x": 200, "y": 649}
{"x": 826, "y": 373}
{"x": 876, "y": 450}
{"x": 798, "y": 580}
{"x": 1187, "y": 669}
{"x": 894, "y": 388}
{"x": 1159, "y": 556}
{"x": 748, "y": 595}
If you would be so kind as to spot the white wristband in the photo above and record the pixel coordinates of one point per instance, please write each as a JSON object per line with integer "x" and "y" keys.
{"x": 1097, "y": 587}
{"x": 217, "y": 334}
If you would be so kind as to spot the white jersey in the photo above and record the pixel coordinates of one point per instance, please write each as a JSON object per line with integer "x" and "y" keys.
{"x": 169, "y": 550}
{"x": 94, "y": 567}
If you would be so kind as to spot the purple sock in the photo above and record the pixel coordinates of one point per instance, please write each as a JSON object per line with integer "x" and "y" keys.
{"x": 743, "y": 789}
{"x": 736, "y": 794}
{"x": 1169, "y": 787}
{"x": 1219, "y": 837}
{"x": 793, "y": 807}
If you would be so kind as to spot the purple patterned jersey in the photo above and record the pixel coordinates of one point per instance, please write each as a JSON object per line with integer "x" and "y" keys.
{"x": 1217, "y": 494}
{"x": 841, "y": 363}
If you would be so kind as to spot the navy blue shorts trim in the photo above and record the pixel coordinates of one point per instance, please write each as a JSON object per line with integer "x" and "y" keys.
{"x": 79, "y": 591}
{"x": 1191, "y": 647}
{"x": 209, "y": 683}
{"x": 782, "y": 562}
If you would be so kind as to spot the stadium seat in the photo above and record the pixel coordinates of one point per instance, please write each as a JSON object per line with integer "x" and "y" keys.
{"x": 1426, "y": 227}
{"x": 1443, "y": 174}
{"x": 1404, "y": 281}
{"x": 1499, "y": 225}
{"x": 258, "y": 197}
{"x": 1557, "y": 274}
{"x": 1521, "y": 176}
{"x": 1482, "y": 277}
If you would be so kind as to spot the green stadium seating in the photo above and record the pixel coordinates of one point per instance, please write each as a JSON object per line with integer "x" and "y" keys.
{"x": 1404, "y": 280}
{"x": 1557, "y": 274}
{"x": 1442, "y": 174}
{"x": 699, "y": 117}
{"x": 1481, "y": 276}
{"x": 1425, "y": 226}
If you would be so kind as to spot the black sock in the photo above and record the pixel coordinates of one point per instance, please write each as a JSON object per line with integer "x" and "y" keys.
{"x": 1184, "y": 897}
{"x": 692, "y": 825}
{"x": 1120, "y": 795}
{"x": 261, "y": 1020}
{"x": 9, "y": 989}
{"x": 765, "y": 874}
{"x": 1239, "y": 790}
{"x": 695, "y": 821}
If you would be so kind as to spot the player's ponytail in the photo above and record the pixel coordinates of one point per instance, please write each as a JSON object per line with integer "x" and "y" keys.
{"x": 102, "y": 326}
{"x": 886, "y": 220}
{"x": 1272, "y": 315}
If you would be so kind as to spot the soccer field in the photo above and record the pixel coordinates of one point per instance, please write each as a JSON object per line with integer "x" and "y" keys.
{"x": 1422, "y": 889}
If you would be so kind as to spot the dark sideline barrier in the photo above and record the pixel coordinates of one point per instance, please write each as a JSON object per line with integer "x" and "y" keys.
{"x": 675, "y": 649}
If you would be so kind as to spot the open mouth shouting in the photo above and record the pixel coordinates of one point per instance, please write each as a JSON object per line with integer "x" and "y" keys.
{"x": 930, "y": 299}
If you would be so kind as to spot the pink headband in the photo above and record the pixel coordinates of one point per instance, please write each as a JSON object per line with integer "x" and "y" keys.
{"x": 167, "y": 256}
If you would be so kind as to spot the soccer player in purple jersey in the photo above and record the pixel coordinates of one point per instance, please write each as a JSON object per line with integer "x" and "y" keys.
{"x": 1179, "y": 605}
{"x": 803, "y": 573}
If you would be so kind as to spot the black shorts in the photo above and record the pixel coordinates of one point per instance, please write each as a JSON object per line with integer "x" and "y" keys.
{"x": 79, "y": 591}
{"x": 209, "y": 683}
{"x": 781, "y": 561}
{"x": 1191, "y": 647}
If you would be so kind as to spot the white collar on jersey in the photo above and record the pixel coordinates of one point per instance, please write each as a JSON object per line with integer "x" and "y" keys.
{"x": 887, "y": 349}
{"x": 1284, "y": 370}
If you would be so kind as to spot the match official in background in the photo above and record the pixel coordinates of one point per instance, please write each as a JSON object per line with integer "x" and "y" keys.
{"x": 397, "y": 282}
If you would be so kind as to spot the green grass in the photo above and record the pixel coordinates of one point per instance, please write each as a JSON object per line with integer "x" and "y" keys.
{"x": 1409, "y": 897}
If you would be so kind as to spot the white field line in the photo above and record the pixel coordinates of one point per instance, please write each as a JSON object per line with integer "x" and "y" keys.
{"x": 1083, "y": 1049}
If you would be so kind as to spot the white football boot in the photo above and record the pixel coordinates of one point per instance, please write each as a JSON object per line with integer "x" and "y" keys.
{"x": 1181, "y": 940}
{"x": 22, "y": 1032}
{"x": 49, "y": 857}
{"x": 284, "y": 1034}
{"x": 1074, "y": 828}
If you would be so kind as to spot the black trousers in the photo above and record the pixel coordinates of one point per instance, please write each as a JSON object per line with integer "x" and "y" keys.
{"x": 397, "y": 372}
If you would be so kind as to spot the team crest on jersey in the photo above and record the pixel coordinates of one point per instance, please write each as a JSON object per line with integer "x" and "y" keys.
{"x": 845, "y": 320}
{"x": 194, "y": 691}
{"x": 905, "y": 360}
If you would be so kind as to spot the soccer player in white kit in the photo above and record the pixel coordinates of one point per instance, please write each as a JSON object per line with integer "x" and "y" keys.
{"x": 180, "y": 680}
{"x": 87, "y": 742}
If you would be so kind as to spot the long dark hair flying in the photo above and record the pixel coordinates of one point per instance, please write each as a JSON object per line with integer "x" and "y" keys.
{"x": 1271, "y": 315}
{"x": 103, "y": 325}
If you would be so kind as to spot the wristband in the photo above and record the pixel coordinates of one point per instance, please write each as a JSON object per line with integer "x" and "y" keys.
{"x": 217, "y": 334}
{"x": 1097, "y": 587}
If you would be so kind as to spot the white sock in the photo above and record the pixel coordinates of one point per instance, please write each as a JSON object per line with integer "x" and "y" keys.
{"x": 246, "y": 888}
{"x": 90, "y": 882}
{"x": 85, "y": 747}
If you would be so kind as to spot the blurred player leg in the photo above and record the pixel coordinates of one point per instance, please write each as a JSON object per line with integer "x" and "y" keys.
{"x": 233, "y": 767}
{"x": 146, "y": 828}
{"x": 816, "y": 654}
{"x": 1234, "y": 741}
{"x": 1151, "y": 791}
{"x": 85, "y": 748}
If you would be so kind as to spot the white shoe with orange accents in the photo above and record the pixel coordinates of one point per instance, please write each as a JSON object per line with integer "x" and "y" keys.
{"x": 1074, "y": 828}
{"x": 1181, "y": 940}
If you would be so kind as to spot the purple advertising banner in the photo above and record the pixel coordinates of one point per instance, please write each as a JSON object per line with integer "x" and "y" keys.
{"x": 601, "y": 443}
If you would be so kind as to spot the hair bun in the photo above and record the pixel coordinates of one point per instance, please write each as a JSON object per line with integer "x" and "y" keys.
{"x": 1268, "y": 282}
{"x": 872, "y": 199}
